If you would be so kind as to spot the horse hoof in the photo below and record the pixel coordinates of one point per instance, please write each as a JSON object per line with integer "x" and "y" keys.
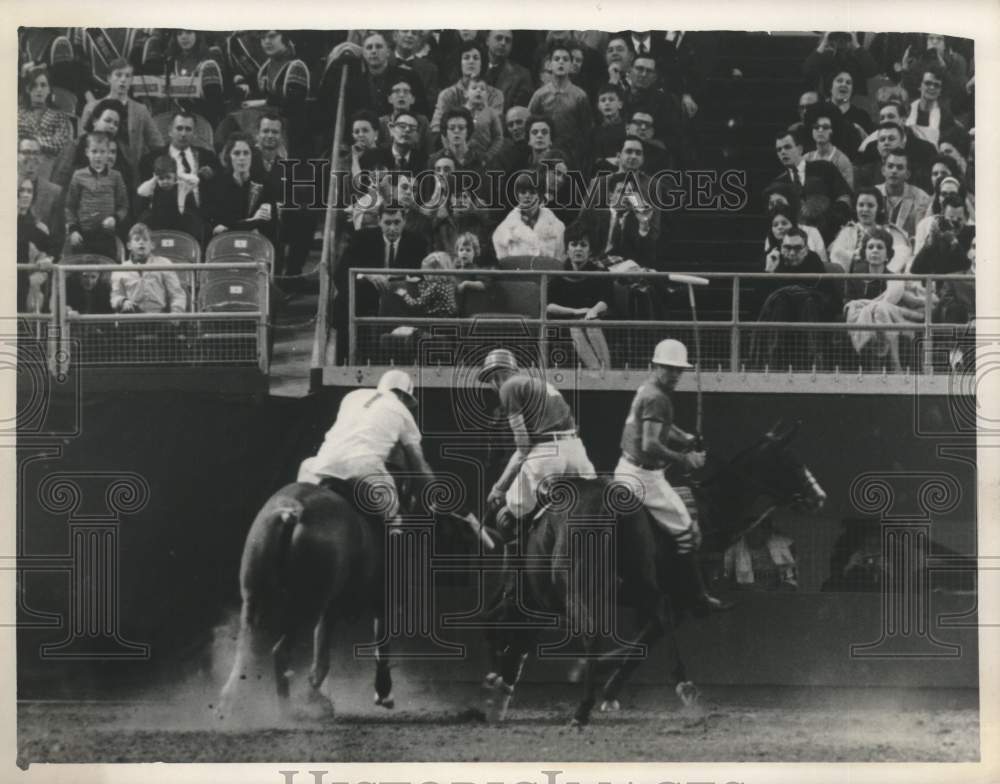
{"x": 490, "y": 681}
{"x": 610, "y": 706}
{"x": 388, "y": 702}
{"x": 688, "y": 693}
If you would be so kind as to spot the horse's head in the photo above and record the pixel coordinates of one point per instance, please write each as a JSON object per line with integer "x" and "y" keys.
{"x": 457, "y": 530}
{"x": 777, "y": 472}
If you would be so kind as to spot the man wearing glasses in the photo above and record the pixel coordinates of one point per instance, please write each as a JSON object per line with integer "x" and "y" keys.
{"x": 929, "y": 117}
{"x": 657, "y": 156}
{"x": 643, "y": 91}
{"x": 402, "y": 155}
{"x": 808, "y": 301}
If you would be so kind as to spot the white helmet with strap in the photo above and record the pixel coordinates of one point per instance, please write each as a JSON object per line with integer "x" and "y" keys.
{"x": 671, "y": 353}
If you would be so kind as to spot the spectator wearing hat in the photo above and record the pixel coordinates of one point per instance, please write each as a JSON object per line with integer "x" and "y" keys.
{"x": 529, "y": 229}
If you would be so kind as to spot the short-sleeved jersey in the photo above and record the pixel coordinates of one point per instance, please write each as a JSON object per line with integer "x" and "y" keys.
{"x": 650, "y": 403}
{"x": 369, "y": 424}
{"x": 542, "y": 405}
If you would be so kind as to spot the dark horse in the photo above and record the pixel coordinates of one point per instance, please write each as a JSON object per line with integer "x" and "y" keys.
{"x": 312, "y": 558}
{"x": 567, "y": 574}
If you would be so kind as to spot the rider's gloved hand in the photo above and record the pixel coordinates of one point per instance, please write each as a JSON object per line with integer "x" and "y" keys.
{"x": 694, "y": 460}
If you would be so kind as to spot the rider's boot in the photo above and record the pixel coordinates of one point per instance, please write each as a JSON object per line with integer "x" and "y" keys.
{"x": 704, "y": 602}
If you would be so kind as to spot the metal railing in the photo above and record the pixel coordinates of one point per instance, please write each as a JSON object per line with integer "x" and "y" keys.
{"x": 730, "y": 338}
{"x": 236, "y": 333}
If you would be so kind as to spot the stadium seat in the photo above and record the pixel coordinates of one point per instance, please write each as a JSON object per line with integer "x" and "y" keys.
{"x": 248, "y": 245}
{"x": 180, "y": 248}
{"x": 67, "y": 251}
{"x": 228, "y": 289}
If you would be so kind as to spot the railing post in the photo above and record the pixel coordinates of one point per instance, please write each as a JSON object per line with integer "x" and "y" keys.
{"x": 263, "y": 301}
{"x": 352, "y": 327}
{"x": 64, "y": 336}
{"x": 928, "y": 345}
{"x": 734, "y": 334}
{"x": 543, "y": 359}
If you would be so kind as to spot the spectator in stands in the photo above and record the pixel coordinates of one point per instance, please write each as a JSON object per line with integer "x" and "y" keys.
{"x": 407, "y": 46}
{"x": 511, "y": 79}
{"x": 455, "y": 97}
{"x": 951, "y": 67}
{"x": 33, "y": 247}
{"x": 436, "y": 294}
{"x": 956, "y": 144}
{"x": 929, "y": 117}
{"x": 88, "y": 292}
{"x": 189, "y": 54}
{"x": 880, "y": 301}
{"x": 957, "y": 304}
{"x": 807, "y": 302}
{"x": 541, "y": 140}
{"x": 628, "y": 227}
{"x": 838, "y": 53}
{"x": 387, "y": 246}
{"x": 235, "y": 201}
{"x": 456, "y": 132}
{"x": 487, "y": 134}
{"x": 401, "y": 100}
{"x": 824, "y": 122}
{"x": 890, "y": 137}
{"x": 191, "y": 160}
{"x": 807, "y": 99}
{"x": 841, "y": 92}
{"x": 136, "y": 291}
{"x": 365, "y": 135}
{"x": 558, "y": 193}
{"x": 656, "y": 156}
{"x": 463, "y": 215}
{"x": 949, "y": 192}
{"x": 610, "y": 133}
{"x": 36, "y": 116}
{"x": 402, "y": 155}
{"x": 576, "y": 297}
{"x": 96, "y": 202}
{"x": 946, "y": 250}
{"x": 905, "y": 204}
{"x": 530, "y": 229}
{"x": 618, "y": 58}
{"x": 821, "y": 188}
{"x": 783, "y": 218}
{"x": 566, "y": 104}
{"x": 869, "y": 215}
{"x": 107, "y": 118}
{"x": 514, "y": 152}
{"x": 46, "y": 205}
{"x": 163, "y": 205}
{"x": 284, "y": 82}
{"x": 643, "y": 93}
{"x": 140, "y": 130}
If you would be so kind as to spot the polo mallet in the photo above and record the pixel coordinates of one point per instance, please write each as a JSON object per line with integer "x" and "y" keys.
{"x": 692, "y": 281}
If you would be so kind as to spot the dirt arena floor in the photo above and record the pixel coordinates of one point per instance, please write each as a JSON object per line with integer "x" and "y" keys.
{"x": 438, "y": 722}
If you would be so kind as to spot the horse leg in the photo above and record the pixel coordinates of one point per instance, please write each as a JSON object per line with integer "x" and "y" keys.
{"x": 383, "y": 676}
{"x": 651, "y": 632}
{"x": 247, "y": 645}
{"x": 320, "y": 666}
{"x": 582, "y": 715}
{"x": 281, "y": 655}
{"x": 511, "y": 661}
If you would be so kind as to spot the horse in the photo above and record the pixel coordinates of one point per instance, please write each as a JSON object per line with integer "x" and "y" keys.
{"x": 644, "y": 556}
{"x": 313, "y": 556}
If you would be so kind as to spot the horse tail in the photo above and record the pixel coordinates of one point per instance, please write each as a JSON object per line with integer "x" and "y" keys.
{"x": 265, "y": 566}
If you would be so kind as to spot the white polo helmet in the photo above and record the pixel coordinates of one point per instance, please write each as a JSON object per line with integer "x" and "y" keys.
{"x": 397, "y": 380}
{"x": 671, "y": 353}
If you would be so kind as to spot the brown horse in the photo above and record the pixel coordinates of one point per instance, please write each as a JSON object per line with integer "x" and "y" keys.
{"x": 572, "y": 570}
{"x": 312, "y": 558}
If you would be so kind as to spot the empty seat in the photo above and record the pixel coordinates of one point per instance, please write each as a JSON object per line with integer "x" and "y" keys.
{"x": 250, "y": 245}
{"x": 228, "y": 289}
{"x": 180, "y": 248}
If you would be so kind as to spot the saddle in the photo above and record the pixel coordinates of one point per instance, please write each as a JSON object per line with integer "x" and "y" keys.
{"x": 352, "y": 490}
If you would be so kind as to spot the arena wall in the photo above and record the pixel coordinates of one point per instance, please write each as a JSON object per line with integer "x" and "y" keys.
{"x": 209, "y": 460}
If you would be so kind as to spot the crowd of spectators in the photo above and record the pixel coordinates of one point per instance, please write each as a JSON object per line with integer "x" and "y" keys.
{"x": 461, "y": 148}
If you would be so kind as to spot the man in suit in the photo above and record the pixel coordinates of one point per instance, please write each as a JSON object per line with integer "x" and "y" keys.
{"x": 196, "y": 166}
{"x": 624, "y": 227}
{"x": 402, "y": 155}
{"x": 905, "y": 204}
{"x": 407, "y": 43}
{"x": 388, "y": 246}
{"x": 513, "y": 80}
{"x": 47, "y": 207}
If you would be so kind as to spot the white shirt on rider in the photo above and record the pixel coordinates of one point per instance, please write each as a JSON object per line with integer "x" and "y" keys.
{"x": 369, "y": 426}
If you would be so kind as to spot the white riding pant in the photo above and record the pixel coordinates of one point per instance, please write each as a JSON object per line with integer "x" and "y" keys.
{"x": 661, "y": 500}
{"x": 548, "y": 459}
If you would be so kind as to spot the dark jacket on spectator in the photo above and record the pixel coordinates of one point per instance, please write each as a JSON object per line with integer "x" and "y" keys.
{"x": 230, "y": 204}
